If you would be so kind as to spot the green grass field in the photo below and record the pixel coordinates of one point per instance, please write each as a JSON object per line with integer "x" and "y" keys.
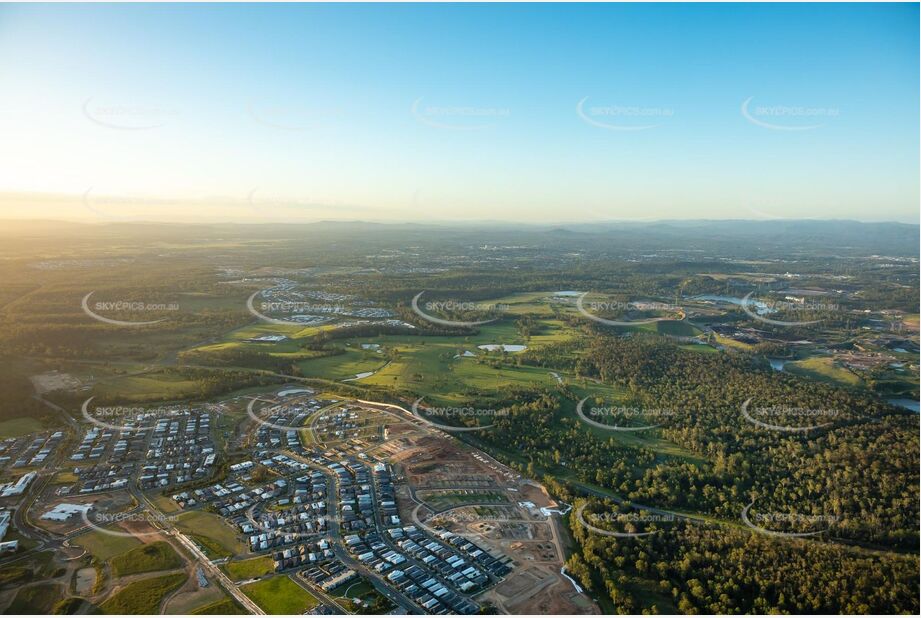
{"x": 105, "y": 546}
{"x": 166, "y": 504}
{"x": 370, "y": 600}
{"x": 280, "y": 595}
{"x": 14, "y": 574}
{"x": 21, "y": 426}
{"x": 36, "y": 599}
{"x": 215, "y": 536}
{"x": 823, "y": 369}
{"x": 144, "y": 596}
{"x": 150, "y": 387}
{"x": 246, "y": 569}
{"x": 435, "y": 368}
{"x": 158, "y": 556}
{"x": 342, "y": 366}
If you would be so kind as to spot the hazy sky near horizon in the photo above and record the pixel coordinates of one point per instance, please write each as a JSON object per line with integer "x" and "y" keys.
{"x": 534, "y": 113}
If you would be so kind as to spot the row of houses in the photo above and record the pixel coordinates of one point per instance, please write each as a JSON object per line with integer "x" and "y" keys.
{"x": 497, "y": 565}
{"x": 182, "y": 449}
{"x": 464, "y": 575}
{"x": 329, "y": 575}
{"x": 429, "y": 593}
{"x": 418, "y": 580}
{"x": 356, "y": 503}
{"x": 24, "y": 452}
{"x": 386, "y": 495}
{"x": 304, "y": 554}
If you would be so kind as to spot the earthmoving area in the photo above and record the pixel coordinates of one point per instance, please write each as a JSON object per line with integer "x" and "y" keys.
{"x": 442, "y": 484}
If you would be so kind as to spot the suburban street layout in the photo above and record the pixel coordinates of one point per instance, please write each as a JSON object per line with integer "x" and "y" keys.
{"x": 327, "y": 505}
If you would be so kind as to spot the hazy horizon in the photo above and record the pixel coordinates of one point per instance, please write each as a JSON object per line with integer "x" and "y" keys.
{"x": 89, "y": 209}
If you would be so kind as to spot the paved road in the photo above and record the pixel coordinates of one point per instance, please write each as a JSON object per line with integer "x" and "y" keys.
{"x": 335, "y": 533}
{"x": 214, "y": 571}
{"x": 317, "y": 592}
{"x": 209, "y": 567}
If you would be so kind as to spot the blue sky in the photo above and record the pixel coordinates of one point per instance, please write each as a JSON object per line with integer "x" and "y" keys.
{"x": 460, "y": 112}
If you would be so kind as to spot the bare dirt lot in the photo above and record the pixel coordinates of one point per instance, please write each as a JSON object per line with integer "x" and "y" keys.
{"x": 539, "y": 590}
{"x": 55, "y": 381}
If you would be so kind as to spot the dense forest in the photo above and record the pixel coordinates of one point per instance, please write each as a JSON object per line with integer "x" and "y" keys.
{"x": 852, "y": 471}
{"x": 695, "y": 568}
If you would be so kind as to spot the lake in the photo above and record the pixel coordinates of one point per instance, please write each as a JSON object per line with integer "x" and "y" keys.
{"x": 777, "y": 363}
{"x": 908, "y": 404}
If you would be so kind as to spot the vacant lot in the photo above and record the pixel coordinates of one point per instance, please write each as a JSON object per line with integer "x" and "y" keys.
{"x": 105, "y": 546}
{"x": 280, "y": 595}
{"x": 217, "y": 538}
{"x": 159, "y": 556}
{"x": 19, "y": 427}
{"x": 37, "y": 599}
{"x": 246, "y": 569}
{"x": 144, "y": 596}
{"x": 155, "y": 386}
